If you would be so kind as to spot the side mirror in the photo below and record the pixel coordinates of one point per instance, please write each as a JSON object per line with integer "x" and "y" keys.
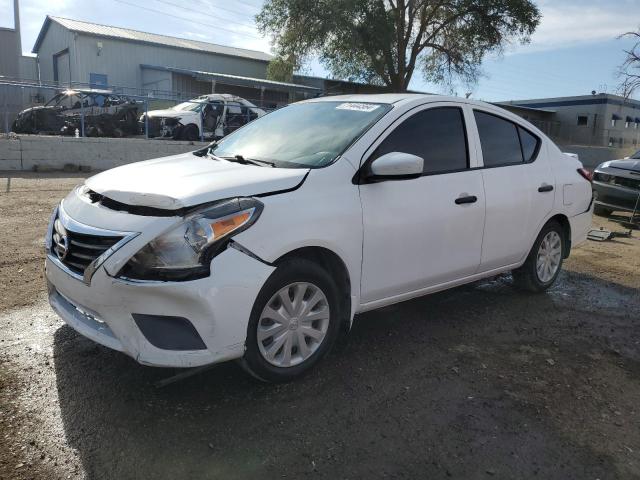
{"x": 395, "y": 166}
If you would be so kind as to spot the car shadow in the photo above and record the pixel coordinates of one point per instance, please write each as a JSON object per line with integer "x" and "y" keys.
{"x": 432, "y": 387}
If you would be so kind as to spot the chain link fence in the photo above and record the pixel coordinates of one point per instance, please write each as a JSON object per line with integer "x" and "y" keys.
{"x": 81, "y": 110}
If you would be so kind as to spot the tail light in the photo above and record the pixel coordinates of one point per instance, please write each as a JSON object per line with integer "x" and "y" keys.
{"x": 586, "y": 174}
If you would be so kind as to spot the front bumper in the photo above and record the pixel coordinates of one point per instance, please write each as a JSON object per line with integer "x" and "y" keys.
{"x": 218, "y": 307}
{"x": 615, "y": 197}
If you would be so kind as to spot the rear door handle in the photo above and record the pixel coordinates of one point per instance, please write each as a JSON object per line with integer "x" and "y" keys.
{"x": 467, "y": 199}
{"x": 545, "y": 188}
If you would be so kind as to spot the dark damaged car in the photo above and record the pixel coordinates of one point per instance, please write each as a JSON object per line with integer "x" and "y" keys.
{"x": 616, "y": 185}
{"x": 105, "y": 115}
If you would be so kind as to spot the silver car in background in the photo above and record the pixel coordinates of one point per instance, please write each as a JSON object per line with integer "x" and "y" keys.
{"x": 616, "y": 186}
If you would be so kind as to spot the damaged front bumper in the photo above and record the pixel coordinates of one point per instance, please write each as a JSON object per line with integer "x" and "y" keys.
{"x": 165, "y": 127}
{"x": 167, "y": 324}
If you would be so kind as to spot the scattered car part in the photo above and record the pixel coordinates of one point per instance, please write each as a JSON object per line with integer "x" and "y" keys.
{"x": 602, "y": 235}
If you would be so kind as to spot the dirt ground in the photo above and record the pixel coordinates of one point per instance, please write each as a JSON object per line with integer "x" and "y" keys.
{"x": 481, "y": 381}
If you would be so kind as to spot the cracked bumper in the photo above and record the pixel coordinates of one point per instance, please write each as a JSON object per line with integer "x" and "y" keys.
{"x": 218, "y": 306}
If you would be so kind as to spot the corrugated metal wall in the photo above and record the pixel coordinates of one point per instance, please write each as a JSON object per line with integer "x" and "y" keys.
{"x": 56, "y": 40}
{"x": 9, "y": 67}
{"x": 189, "y": 86}
{"x": 120, "y": 61}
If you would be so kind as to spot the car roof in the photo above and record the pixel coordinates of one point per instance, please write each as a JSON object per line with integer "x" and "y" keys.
{"x": 398, "y": 98}
{"x": 387, "y": 98}
{"x": 413, "y": 99}
{"x": 220, "y": 96}
{"x": 86, "y": 91}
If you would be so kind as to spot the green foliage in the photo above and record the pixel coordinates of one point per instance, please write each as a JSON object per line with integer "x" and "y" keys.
{"x": 281, "y": 69}
{"x": 384, "y": 42}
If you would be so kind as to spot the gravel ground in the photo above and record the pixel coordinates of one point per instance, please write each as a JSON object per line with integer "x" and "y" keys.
{"x": 481, "y": 381}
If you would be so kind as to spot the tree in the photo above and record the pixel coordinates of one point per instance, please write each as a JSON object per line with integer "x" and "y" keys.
{"x": 629, "y": 71}
{"x": 281, "y": 69}
{"x": 384, "y": 42}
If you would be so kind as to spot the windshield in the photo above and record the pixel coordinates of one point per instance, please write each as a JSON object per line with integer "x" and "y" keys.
{"x": 303, "y": 135}
{"x": 182, "y": 107}
{"x": 636, "y": 156}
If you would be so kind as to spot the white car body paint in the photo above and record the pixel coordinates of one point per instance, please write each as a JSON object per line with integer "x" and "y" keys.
{"x": 185, "y": 180}
{"x": 397, "y": 239}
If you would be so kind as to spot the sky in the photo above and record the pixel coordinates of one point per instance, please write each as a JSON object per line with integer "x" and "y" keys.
{"x": 574, "y": 51}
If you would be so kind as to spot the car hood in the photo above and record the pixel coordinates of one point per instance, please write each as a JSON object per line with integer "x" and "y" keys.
{"x": 628, "y": 164}
{"x": 171, "y": 113}
{"x": 28, "y": 111}
{"x": 186, "y": 180}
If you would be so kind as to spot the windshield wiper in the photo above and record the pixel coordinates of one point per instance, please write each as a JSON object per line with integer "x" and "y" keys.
{"x": 249, "y": 161}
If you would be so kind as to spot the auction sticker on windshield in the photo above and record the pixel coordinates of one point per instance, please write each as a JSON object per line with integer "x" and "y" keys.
{"x": 359, "y": 107}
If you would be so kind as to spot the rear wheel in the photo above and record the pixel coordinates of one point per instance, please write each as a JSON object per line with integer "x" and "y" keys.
{"x": 543, "y": 265}
{"x": 294, "y": 322}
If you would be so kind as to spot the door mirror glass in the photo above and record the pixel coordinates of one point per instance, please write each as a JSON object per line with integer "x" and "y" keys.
{"x": 396, "y": 165}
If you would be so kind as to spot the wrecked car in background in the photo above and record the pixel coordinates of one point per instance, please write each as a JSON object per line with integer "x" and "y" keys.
{"x": 616, "y": 186}
{"x": 105, "y": 115}
{"x": 214, "y": 116}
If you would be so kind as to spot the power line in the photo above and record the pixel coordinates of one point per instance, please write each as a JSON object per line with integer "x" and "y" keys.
{"x": 217, "y": 7}
{"x": 249, "y": 4}
{"x": 200, "y": 13}
{"x": 218, "y": 27}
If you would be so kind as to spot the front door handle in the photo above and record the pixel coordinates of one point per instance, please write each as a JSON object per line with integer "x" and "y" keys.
{"x": 467, "y": 199}
{"x": 545, "y": 188}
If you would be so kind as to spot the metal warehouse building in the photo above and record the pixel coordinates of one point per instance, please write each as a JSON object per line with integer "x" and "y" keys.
{"x": 598, "y": 119}
{"x": 72, "y": 52}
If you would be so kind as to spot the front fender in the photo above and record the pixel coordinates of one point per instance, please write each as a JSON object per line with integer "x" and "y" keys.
{"x": 323, "y": 212}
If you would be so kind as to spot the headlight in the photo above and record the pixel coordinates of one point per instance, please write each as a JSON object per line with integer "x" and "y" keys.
{"x": 185, "y": 251}
{"x": 602, "y": 177}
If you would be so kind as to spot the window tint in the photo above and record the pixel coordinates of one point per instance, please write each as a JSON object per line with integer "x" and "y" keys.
{"x": 499, "y": 140}
{"x": 529, "y": 144}
{"x": 437, "y": 135}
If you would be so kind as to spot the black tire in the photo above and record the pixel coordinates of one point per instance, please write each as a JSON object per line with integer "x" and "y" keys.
{"x": 291, "y": 271}
{"x": 602, "y": 211}
{"x": 190, "y": 133}
{"x": 526, "y": 277}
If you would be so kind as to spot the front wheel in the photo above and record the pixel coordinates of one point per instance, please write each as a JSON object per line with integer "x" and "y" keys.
{"x": 543, "y": 265}
{"x": 190, "y": 133}
{"x": 294, "y": 322}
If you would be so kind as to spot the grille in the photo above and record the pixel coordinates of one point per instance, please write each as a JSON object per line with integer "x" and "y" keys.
{"x": 620, "y": 181}
{"x": 78, "y": 250}
{"x": 627, "y": 182}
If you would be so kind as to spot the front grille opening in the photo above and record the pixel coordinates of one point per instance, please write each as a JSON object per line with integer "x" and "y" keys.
{"x": 77, "y": 250}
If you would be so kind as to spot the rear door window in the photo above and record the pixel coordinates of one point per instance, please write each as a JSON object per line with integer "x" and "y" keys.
{"x": 499, "y": 140}
{"x": 437, "y": 135}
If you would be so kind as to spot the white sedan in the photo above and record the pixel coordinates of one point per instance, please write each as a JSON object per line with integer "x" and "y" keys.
{"x": 263, "y": 246}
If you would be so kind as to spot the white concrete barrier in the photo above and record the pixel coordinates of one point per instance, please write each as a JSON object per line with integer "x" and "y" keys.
{"x": 39, "y": 152}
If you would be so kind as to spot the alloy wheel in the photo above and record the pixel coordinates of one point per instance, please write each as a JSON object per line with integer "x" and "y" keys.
{"x": 549, "y": 256}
